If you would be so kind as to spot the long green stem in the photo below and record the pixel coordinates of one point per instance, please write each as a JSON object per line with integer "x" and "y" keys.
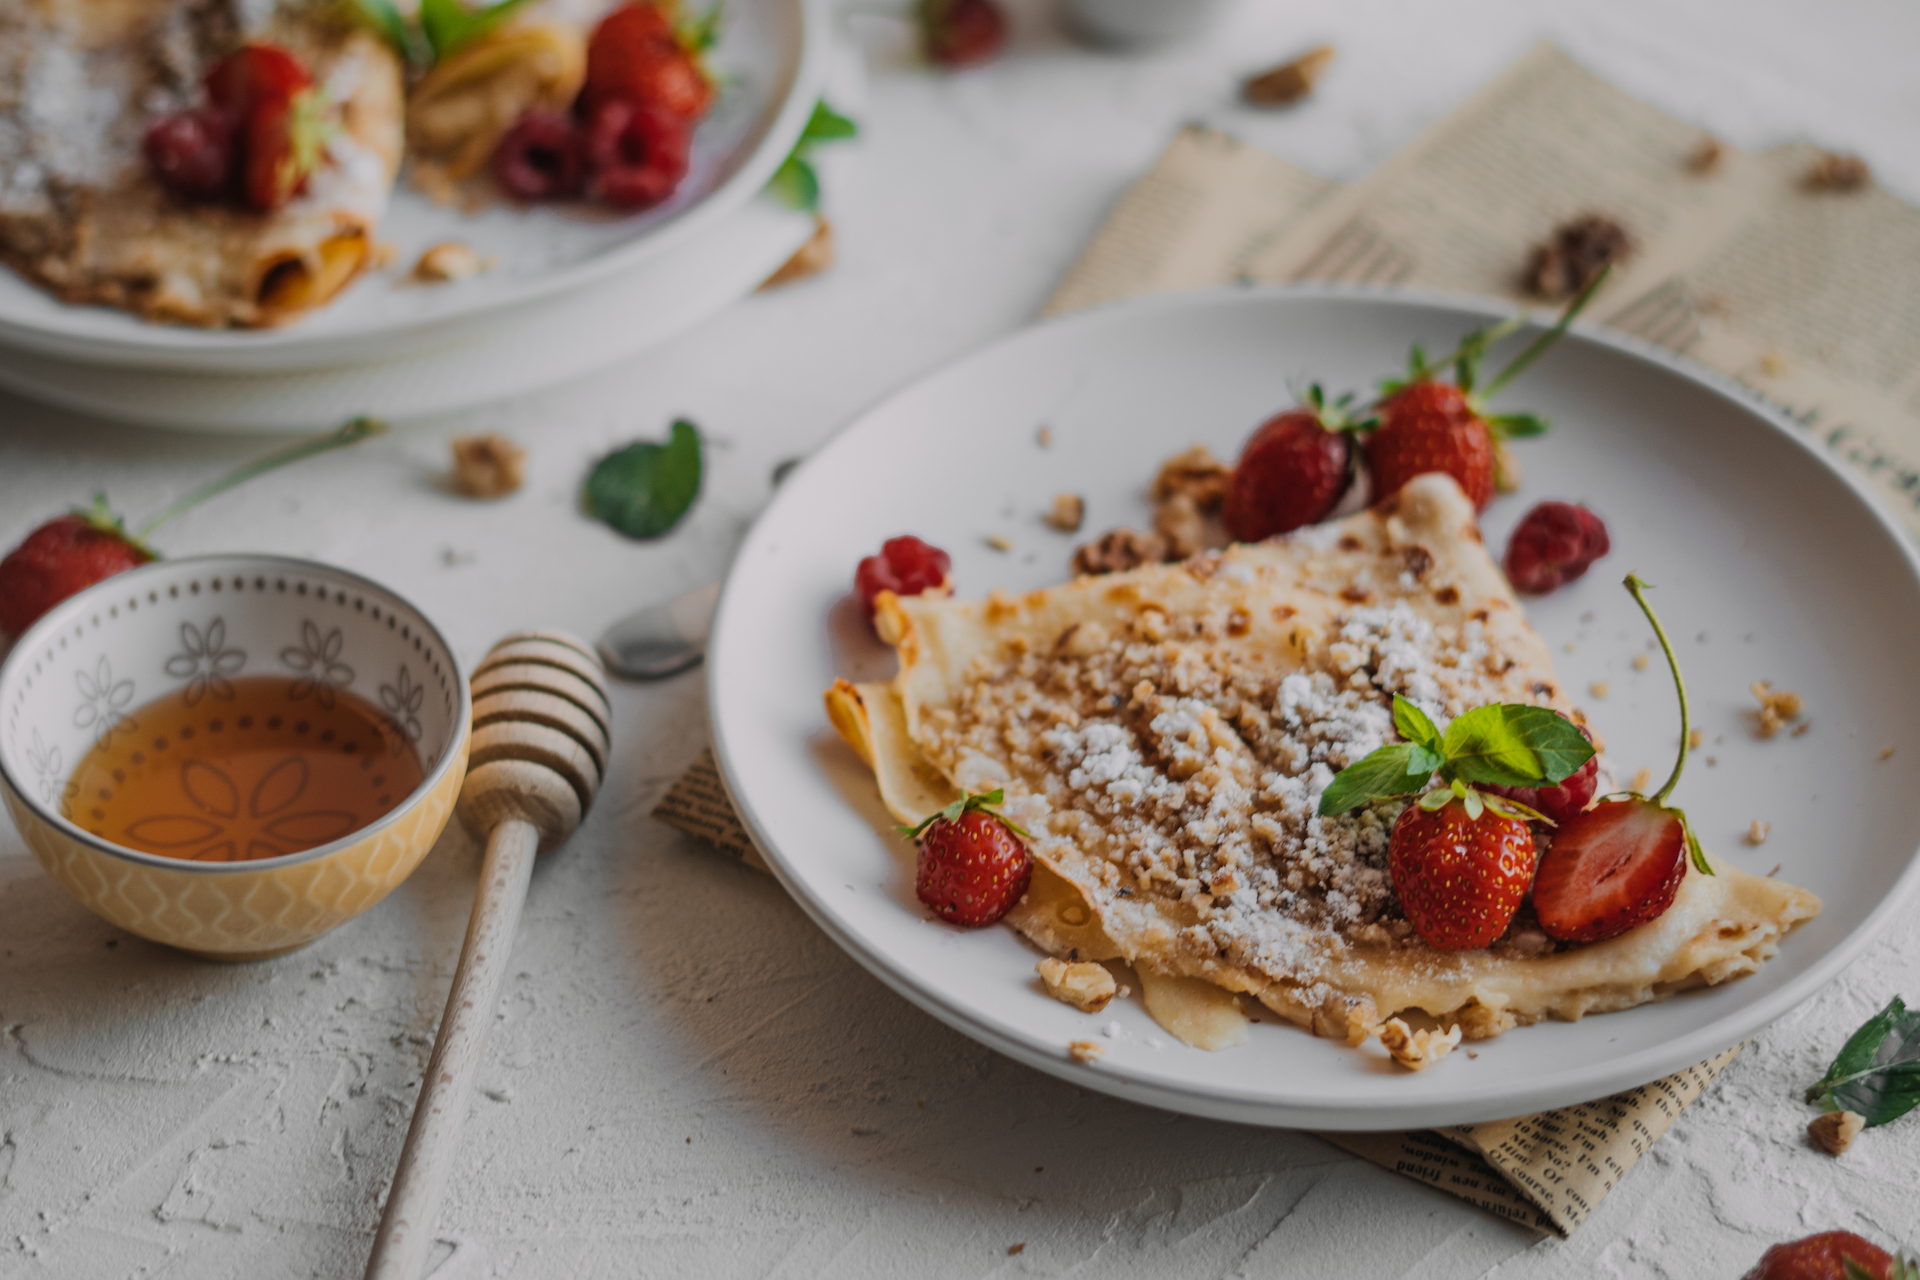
{"x": 1540, "y": 345}
{"x": 1636, "y": 588}
{"x": 353, "y": 432}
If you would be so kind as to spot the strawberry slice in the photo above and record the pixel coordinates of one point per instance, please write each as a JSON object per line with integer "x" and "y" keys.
{"x": 1610, "y": 869}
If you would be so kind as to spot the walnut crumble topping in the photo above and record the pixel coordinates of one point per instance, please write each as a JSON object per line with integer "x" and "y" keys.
{"x": 1416, "y": 1050}
{"x": 1086, "y": 986}
{"x": 1184, "y": 771}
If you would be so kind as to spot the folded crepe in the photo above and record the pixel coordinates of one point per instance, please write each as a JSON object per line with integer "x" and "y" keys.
{"x": 80, "y": 214}
{"x": 1164, "y": 735}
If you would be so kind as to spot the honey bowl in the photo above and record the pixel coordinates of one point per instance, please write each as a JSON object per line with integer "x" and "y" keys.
{"x": 232, "y": 754}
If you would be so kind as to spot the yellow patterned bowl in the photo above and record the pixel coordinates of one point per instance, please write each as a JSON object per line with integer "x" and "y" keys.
{"x": 83, "y": 669}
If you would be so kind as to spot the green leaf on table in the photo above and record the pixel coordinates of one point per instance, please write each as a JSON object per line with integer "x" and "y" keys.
{"x": 1393, "y": 770}
{"x": 449, "y": 25}
{"x": 1512, "y": 744}
{"x": 1413, "y": 724}
{"x": 644, "y": 489}
{"x": 1877, "y": 1073}
{"x": 796, "y": 185}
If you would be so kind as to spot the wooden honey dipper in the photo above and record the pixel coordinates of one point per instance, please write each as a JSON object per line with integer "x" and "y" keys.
{"x": 541, "y": 723}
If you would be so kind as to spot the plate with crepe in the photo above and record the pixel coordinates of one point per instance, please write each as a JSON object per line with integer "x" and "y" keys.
{"x": 1165, "y": 714}
{"x": 109, "y": 268}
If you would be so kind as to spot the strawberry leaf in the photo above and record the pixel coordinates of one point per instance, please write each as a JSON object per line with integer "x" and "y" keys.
{"x": 986, "y": 802}
{"x": 1393, "y": 770}
{"x": 644, "y": 489}
{"x": 1878, "y": 1071}
{"x": 1511, "y": 744}
{"x": 1414, "y": 725}
{"x": 1516, "y": 426}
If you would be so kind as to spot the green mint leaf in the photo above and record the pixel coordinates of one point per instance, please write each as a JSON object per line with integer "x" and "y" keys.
{"x": 1517, "y": 426}
{"x": 1414, "y": 725}
{"x": 450, "y": 25}
{"x": 1423, "y": 760}
{"x": 644, "y": 489}
{"x": 796, "y": 185}
{"x": 385, "y": 21}
{"x": 1383, "y": 773}
{"x": 1878, "y": 1071}
{"x": 827, "y": 125}
{"x": 1511, "y": 744}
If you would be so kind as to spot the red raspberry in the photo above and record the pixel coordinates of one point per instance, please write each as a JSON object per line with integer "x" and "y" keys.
{"x": 961, "y": 33}
{"x": 1554, "y": 544}
{"x": 64, "y": 556}
{"x": 1566, "y": 798}
{"x": 905, "y": 566}
{"x": 638, "y": 154}
{"x": 1292, "y": 472}
{"x": 972, "y": 868}
{"x": 192, "y": 152}
{"x": 540, "y": 158}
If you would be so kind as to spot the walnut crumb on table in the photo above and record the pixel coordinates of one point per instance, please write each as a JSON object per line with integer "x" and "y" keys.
{"x": 1086, "y": 986}
{"x": 489, "y": 466}
{"x": 1886, "y": 753}
{"x": 810, "y": 259}
{"x": 1416, "y": 1050}
{"x": 1707, "y": 156}
{"x": 1836, "y": 171}
{"x": 1835, "y": 1131}
{"x": 1289, "y": 82}
{"x": 1085, "y": 1050}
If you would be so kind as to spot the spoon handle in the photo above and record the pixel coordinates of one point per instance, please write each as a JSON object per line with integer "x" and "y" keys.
{"x": 406, "y": 1228}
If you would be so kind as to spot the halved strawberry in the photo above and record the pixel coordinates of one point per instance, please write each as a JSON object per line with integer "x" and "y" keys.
{"x": 1610, "y": 869}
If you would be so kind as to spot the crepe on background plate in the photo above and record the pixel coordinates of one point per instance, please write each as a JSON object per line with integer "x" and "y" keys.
{"x": 80, "y": 214}
{"x": 1165, "y": 734}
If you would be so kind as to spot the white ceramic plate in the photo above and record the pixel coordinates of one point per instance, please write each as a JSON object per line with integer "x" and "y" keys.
{"x": 771, "y": 60}
{"x": 1771, "y": 562}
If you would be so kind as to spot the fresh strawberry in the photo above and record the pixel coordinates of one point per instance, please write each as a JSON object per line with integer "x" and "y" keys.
{"x": 1427, "y": 424}
{"x": 1552, "y": 545}
{"x": 635, "y": 56}
{"x": 1619, "y": 864}
{"x": 961, "y": 33}
{"x": 1293, "y": 470}
{"x": 64, "y": 556}
{"x": 70, "y": 553}
{"x": 279, "y": 150}
{"x": 637, "y": 154}
{"x": 905, "y": 566}
{"x": 1825, "y": 1257}
{"x": 1561, "y": 801}
{"x": 254, "y": 74}
{"x": 1461, "y": 870}
{"x": 972, "y": 867}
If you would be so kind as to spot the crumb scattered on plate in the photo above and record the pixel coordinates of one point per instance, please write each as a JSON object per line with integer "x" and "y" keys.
{"x": 1599, "y": 688}
{"x": 449, "y": 261}
{"x": 1416, "y": 1050}
{"x": 1642, "y": 779}
{"x": 1068, "y": 512}
{"x": 1086, "y": 1050}
{"x": 1086, "y": 986}
{"x": 1758, "y": 832}
{"x": 1777, "y": 706}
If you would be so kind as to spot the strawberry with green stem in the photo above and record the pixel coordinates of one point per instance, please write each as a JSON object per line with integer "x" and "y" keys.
{"x": 1462, "y": 857}
{"x": 1619, "y": 864}
{"x": 70, "y": 553}
{"x": 1427, "y": 424}
{"x": 1294, "y": 469}
{"x": 972, "y": 868}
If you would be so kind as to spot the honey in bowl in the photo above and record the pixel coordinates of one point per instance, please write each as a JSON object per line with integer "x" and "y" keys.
{"x": 278, "y": 767}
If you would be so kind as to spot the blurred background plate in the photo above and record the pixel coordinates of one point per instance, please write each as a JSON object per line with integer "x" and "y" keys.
{"x": 1771, "y": 563}
{"x": 772, "y": 63}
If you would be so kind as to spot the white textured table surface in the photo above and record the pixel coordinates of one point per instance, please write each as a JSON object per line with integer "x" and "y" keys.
{"x": 686, "y": 1078}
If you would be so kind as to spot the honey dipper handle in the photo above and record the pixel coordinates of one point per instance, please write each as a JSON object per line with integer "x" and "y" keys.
{"x": 406, "y": 1228}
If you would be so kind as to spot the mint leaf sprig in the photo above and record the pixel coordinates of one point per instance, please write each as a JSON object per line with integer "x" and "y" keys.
{"x": 444, "y": 27}
{"x": 1502, "y": 744}
{"x": 986, "y": 802}
{"x": 1877, "y": 1074}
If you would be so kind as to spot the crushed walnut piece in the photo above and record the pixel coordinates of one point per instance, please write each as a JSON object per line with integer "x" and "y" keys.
{"x": 449, "y": 261}
{"x": 999, "y": 542}
{"x": 810, "y": 259}
{"x": 1707, "y": 157}
{"x": 1085, "y": 1050}
{"x": 1758, "y": 832}
{"x": 1835, "y": 1131}
{"x": 1837, "y": 171}
{"x": 1194, "y": 473}
{"x": 1416, "y": 1050}
{"x": 1067, "y": 512}
{"x": 1640, "y": 663}
{"x": 1575, "y": 255}
{"x": 1086, "y": 986}
{"x": 1694, "y": 738}
{"x": 1288, "y": 83}
{"x": 1777, "y": 706}
{"x": 1118, "y": 550}
{"x": 489, "y": 466}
